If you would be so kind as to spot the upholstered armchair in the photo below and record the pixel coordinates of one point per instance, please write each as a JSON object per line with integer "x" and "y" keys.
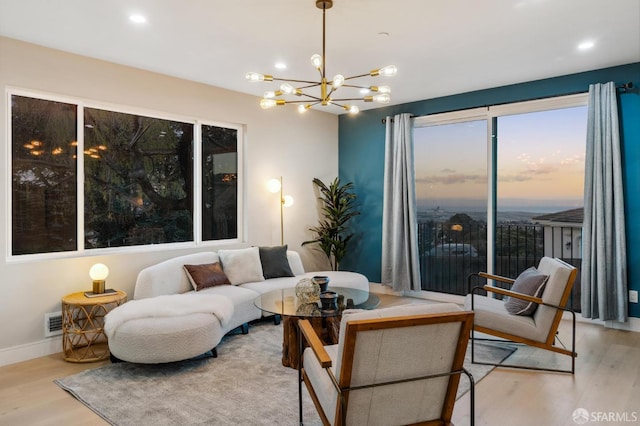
{"x": 531, "y": 315}
{"x": 398, "y": 365}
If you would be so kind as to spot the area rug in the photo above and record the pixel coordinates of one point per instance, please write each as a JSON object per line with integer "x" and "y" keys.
{"x": 245, "y": 385}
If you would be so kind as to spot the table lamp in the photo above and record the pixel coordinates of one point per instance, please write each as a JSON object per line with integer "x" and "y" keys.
{"x": 98, "y": 273}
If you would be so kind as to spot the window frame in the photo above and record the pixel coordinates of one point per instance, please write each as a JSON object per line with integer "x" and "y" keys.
{"x": 491, "y": 114}
{"x": 80, "y": 250}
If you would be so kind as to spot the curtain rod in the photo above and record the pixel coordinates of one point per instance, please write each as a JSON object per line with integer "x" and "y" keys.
{"x": 384, "y": 120}
{"x": 623, "y": 87}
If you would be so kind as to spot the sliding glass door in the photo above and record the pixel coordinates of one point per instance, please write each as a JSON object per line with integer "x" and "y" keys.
{"x": 451, "y": 193}
{"x": 499, "y": 187}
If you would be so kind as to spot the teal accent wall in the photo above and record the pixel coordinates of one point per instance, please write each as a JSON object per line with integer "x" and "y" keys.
{"x": 361, "y": 156}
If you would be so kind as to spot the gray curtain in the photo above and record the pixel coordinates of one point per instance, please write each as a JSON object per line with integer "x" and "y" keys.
{"x": 604, "y": 263}
{"x": 400, "y": 267}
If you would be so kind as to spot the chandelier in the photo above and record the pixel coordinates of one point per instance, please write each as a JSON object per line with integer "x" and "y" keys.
{"x": 328, "y": 88}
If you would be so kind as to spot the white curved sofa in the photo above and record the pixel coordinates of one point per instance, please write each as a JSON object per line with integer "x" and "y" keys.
{"x": 169, "y": 278}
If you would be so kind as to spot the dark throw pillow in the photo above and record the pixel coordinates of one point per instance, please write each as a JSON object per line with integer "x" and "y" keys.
{"x": 530, "y": 282}
{"x": 207, "y": 275}
{"x": 275, "y": 262}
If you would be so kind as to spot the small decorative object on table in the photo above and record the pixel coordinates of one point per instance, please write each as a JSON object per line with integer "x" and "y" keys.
{"x": 308, "y": 310}
{"x": 329, "y": 299}
{"x": 307, "y": 291}
{"x": 322, "y": 281}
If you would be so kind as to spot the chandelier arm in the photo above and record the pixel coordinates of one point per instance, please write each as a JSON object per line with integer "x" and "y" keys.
{"x": 348, "y": 99}
{"x": 314, "y": 83}
{"x": 316, "y": 98}
{"x": 301, "y": 101}
{"x": 356, "y": 76}
{"x": 309, "y": 86}
{"x": 355, "y": 87}
{"x": 331, "y": 102}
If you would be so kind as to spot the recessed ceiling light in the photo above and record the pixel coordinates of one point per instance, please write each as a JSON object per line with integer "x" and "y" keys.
{"x": 137, "y": 18}
{"x": 281, "y": 65}
{"x": 586, "y": 45}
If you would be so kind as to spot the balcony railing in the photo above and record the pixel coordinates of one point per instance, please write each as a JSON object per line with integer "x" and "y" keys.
{"x": 448, "y": 254}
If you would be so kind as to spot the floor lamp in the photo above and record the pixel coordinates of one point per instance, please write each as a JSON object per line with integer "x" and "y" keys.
{"x": 275, "y": 185}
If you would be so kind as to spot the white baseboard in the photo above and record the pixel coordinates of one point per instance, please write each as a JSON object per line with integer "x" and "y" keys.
{"x": 429, "y": 295}
{"x": 633, "y": 324}
{"x": 29, "y": 351}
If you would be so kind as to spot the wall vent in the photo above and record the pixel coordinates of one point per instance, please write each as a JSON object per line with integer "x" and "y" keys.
{"x": 53, "y": 324}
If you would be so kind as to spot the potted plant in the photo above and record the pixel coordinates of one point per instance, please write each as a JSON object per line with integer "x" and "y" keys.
{"x": 338, "y": 207}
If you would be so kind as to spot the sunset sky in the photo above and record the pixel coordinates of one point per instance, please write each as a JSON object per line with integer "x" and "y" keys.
{"x": 540, "y": 159}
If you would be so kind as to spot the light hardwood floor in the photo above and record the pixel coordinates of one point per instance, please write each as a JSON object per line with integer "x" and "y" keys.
{"x": 607, "y": 380}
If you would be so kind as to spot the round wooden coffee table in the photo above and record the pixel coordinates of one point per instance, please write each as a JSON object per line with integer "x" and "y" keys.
{"x": 83, "y": 337}
{"x": 326, "y": 323}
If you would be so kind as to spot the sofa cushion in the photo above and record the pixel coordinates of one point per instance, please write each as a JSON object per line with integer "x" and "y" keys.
{"x": 274, "y": 262}
{"x": 242, "y": 265}
{"x": 530, "y": 282}
{"x": 206, "y": 275}
{"x": 295, "y": 262}
{"x": 168, "y": 277}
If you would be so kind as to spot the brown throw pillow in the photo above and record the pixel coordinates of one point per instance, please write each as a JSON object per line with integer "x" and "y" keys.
{"x": 207, "y": 275}
{"x": 530, "y": 282}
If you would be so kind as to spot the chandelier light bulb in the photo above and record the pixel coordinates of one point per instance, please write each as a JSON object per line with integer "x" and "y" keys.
{"x": 389, "y": 71}
{"x": 267, "y": 103}
{"x": 272, "y": 94}
{"x": 382, "y": 89}
{"x": 382, "y": 98}
{"x": 290, "y": 90}
{"x": 352, "y": 109}
{"x": 316, "y": 61}
{"x": 338, "y": 81}
{"x": 302, "y": 108}
{"x": 254, "y": 77}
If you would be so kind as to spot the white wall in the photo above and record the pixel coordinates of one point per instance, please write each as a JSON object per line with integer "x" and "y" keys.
{"x": 279, "y": 142}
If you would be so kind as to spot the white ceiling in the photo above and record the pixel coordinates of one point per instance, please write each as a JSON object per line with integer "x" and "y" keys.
{"x": 441, "y": 47}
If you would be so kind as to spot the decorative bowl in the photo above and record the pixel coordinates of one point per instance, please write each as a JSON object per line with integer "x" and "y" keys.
{"x": 328, "y": 300}
{"x": 322, "y": 281}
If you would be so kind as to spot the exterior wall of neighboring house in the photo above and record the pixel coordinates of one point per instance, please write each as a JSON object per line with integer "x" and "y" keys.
{"x": 562, "y": 233}
{"x": 562, "y": 240}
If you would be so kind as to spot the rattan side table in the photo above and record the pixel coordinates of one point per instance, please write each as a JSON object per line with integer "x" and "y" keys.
{"x": 83, "y": 337}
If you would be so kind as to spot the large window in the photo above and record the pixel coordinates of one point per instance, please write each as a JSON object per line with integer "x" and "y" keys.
{"x": 499, "y": 187}
{"x": 87, "y": 178}
{"x": 43, "y": 175}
